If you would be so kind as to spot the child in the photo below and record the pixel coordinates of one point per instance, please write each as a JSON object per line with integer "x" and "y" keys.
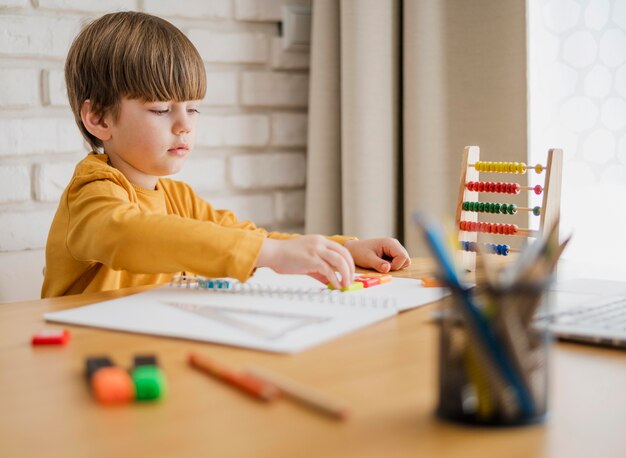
{"x": 135, "y": 83}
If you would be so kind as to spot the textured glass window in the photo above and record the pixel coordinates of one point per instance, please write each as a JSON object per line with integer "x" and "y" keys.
{"x": 577, "y": 101}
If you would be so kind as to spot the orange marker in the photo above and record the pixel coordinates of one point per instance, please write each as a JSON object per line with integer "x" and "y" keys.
{"x": 109, "y": 384}
{"x": 431, "y": 282}
{"x": 251, "y": 385}
{"x": 112, "y": 385}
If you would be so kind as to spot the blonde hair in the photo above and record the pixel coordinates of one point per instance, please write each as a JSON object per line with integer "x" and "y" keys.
{"x": 134, "y": 55}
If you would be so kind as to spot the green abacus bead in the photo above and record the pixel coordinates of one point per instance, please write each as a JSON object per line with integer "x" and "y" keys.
{"x": 496, "y": 208}
{"x": 512, "y": 209}
{"x": 481, "y": 206}
{"x": 537, "y": 211}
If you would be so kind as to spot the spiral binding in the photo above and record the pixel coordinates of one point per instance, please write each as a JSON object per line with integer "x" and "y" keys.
{"x": 322, "y": 294}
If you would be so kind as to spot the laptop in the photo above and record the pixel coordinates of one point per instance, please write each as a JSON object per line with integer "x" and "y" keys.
{"x": 587, "y": 311}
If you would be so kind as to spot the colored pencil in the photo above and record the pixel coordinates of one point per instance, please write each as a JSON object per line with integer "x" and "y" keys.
{"x": 251, "y": 385}
{"x": 304, "y": 394}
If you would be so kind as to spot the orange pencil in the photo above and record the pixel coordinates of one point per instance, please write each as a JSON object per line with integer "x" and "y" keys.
{"x": 251, "y": 385}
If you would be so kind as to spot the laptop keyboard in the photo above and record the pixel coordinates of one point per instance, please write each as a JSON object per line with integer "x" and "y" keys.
{"x": 608, "y": 313}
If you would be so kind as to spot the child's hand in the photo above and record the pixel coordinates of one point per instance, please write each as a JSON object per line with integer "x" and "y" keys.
{"x": 382, "y": 255}
{"x": 312, "y": 255}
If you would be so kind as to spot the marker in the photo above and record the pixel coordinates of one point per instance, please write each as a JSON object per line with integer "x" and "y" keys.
{"x": 431, "y": 282}
{"x": 368, "y": 281}
{"x": 110, "y": 385}
{"x": 51, "y": 337}
{"x": 148, "y": 378}
{"x": 382, "y": 278}
{"x": 301, "y": 393}
{"x": 354, "y": 286}
{"x": 250, "y": 385}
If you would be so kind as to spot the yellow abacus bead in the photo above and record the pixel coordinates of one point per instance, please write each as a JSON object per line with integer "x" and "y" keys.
{"x": 539, "y": 168}
{"x": 522, "y": 168}
{"x": 499, "y": 167}
{"x": 512, "y": 167}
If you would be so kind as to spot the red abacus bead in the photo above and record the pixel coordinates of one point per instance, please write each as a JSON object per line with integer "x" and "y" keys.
{"x": 538, "y": 189}
{"x": 514, "y": 229}
{"x": 480, "y": 186}
{"x": 469, "y": 185}
{"x": 516, "y": 188}
{"x": 462, "y": 225}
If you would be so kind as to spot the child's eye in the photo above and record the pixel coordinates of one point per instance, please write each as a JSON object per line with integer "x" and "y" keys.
{"x": 193, "y": 110}
{"x": 160, "y": 112}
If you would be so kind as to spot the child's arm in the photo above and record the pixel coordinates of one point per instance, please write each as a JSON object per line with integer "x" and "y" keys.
{"x": 312, "y": 255}
{"x": 105, "y": 227}
{"x": 383, "y": 255}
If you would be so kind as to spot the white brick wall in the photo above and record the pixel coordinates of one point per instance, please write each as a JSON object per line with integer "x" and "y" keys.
{"x": 20, "y": 87}
{"x": 14, "y": 184}
{"x": 251, "y": 140}
{"x": 252, "y": 171}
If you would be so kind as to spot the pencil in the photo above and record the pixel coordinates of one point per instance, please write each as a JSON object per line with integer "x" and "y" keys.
{"x": 301, "y": 393}
{"x": 251, "y": 385}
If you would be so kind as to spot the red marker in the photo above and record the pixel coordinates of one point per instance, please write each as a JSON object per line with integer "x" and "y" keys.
{"x": 368, "y": 281}
{"x": 51, "y": 337}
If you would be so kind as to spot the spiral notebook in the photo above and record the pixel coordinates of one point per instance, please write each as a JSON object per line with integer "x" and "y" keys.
{"x": 270, "y": 312}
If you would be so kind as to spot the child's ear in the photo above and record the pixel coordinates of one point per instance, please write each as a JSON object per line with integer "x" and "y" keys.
{"x": 94, "y": 123}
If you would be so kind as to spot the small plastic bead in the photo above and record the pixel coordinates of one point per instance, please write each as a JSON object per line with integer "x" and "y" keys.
{"x": 539, "y": 168}
{"x": 538, "y": 189}
{"x": 537, "y": 211}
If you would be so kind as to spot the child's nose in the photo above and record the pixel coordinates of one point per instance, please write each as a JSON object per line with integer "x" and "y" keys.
{"x": 182, "y": 126}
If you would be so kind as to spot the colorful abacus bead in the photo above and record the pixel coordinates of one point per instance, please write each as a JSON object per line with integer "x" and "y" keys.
{"x": 490, "y": 228}
{"x": 537, "y": 211}
{"x": 489, "y": 186}
{"x": 538, "y": 189}
{"x": 493, "y": 248}
{"x": 490, "y": 207}
{"x": 500, "y": 167}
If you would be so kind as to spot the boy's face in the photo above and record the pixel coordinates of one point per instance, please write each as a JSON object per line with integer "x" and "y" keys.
{"x": 151, "y": 139}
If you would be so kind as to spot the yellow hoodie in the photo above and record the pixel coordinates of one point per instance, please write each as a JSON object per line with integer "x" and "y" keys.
{"x": 108, "y": 234}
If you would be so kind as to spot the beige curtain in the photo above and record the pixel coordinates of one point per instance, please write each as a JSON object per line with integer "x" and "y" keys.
{"x": 398, "y": 88}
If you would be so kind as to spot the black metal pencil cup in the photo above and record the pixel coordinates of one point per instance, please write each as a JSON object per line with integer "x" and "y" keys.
{"x": 474, "y": 387}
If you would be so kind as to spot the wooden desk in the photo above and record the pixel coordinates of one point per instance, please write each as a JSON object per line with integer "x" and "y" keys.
{"x": 386, "y": 373}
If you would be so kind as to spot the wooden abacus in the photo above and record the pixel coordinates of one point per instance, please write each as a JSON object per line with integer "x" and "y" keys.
{"x": 469, "y": 206}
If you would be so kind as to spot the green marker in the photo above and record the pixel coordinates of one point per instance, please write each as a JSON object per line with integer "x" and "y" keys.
{"x": 150, "y": 383}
